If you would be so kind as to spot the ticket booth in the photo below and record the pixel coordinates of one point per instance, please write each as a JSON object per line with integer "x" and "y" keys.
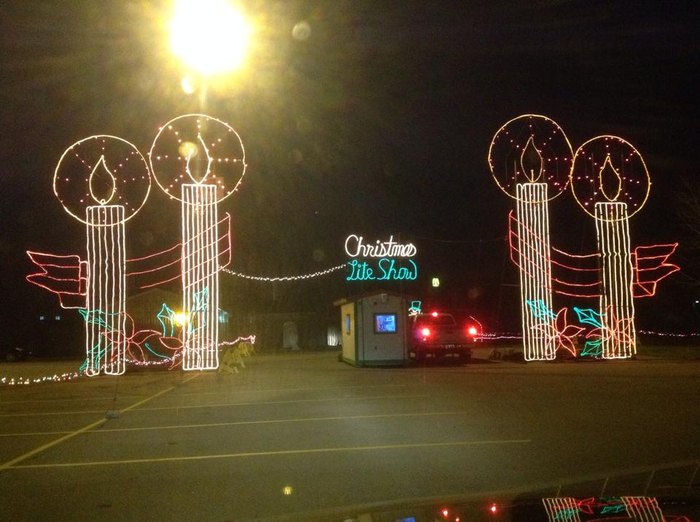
{"x": 374, "y": 330}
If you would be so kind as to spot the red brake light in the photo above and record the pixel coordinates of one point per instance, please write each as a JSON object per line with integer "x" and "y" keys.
{"x": 472, "y": 330}
{"x": 425, "y": 332}
{"x": 434, "y": 314}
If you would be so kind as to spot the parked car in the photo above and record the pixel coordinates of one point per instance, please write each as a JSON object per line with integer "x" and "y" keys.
{"x": 439, "y": 335}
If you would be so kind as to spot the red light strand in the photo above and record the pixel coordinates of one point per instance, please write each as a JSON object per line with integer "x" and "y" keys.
{"x": 578, "y": 275}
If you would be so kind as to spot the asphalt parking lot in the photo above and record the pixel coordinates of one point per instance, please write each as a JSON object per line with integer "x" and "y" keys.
{"x": 293, "y": 435}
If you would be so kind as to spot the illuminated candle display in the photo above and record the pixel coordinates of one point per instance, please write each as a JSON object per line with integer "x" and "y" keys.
{"x": 199, "y": 160}
{"x": 610, "y": 181}
{"x": 103, "y": 181}
{"x": 530, "y": 159}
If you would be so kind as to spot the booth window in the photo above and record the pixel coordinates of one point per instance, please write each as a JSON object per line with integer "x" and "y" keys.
{"x": 347, "y": 324}
{"x": 384, "y": 323}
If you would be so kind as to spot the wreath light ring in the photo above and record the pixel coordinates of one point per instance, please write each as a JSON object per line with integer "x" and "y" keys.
{"x": 101, "y": 170}
{"x": 609, "y": 169}
{"x": 197, "y": 137}
{"x": 545, "y": 139}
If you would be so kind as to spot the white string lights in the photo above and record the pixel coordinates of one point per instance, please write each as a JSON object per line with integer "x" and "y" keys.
{"x": 106, "y": 290}
{"x": 199, "y": 149}
{"x": 103, "y": 170}
{"x": 530, "y": 149}
{"x": 200, "y": 280}
{"x": 610, "y": 181}
{"x": 103, "y": 181}
{"x": 136, "y": 356}
{"x": 608, "y": 168}
{"x": 26, "y": 381}
{"x": 536, "y": 278}
{"x": 301, "y": 277}
{"x": 530, "y": 158}
{"x": 200, "y": 161}
{"x": 616, "y": 303}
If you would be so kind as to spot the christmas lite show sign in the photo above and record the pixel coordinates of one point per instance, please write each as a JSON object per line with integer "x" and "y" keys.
{"x": 381, "y": 260}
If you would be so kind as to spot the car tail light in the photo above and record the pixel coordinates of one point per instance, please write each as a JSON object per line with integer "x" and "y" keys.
{"x": 472, "y": 330}
{"x": 425, "y": 332}
{"x": 434, "y": 314}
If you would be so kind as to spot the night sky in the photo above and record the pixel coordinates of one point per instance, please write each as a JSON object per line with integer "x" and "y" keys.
{"x": 377, "y": 124}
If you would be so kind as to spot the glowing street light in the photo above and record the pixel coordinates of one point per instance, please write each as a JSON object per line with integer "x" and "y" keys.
{"x": 210, "y": 36}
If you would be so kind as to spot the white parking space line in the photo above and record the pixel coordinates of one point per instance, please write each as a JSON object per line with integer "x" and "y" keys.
{"x": 10, "y": 463}
{"x": 34, "y": 433}
{"x": 345, "y": 449}
{"x": 56, "y": 400}
{"x": 328, "y": 389}
{"x": 248, "y": 423}
{"x": 43, "y": 447}
{"x": 284, "y": 421}
{"x": 296, "y": 401}
{"x": 51, "y": 413}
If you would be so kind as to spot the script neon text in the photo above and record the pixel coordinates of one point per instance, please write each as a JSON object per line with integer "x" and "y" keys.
{"x": 356, "y": 247}
{"x": 385, "y": 270}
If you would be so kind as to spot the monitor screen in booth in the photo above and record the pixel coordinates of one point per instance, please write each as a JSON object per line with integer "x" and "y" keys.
{"x": 384, "y": 323}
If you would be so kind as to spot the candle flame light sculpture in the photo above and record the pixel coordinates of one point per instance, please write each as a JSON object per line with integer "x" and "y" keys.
{"x": 103, "y": 181}
{"x": 530, "y": 158}
{"x": 611, "y": 183}
{"x": 199, "y": 161}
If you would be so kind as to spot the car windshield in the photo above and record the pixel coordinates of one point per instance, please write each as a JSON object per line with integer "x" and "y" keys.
{"x": 226, "y": 225}
{"x": 438, "y": 320}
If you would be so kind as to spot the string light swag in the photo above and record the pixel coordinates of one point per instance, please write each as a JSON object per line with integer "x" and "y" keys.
{"x": 301, "y": 277}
